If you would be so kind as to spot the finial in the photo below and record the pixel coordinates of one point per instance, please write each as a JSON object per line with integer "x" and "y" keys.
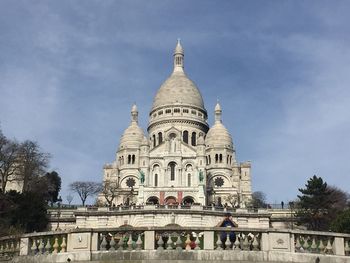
{"x": 218, "y": 112}
{"x": 178, "y": 57}
{"x": 134, "y": 113}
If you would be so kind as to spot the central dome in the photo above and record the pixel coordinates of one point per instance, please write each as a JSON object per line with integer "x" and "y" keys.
{"x": 178, "y": 89}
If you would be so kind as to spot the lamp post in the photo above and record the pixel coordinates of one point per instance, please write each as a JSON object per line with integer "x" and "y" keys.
{"x": 59, "y": 200}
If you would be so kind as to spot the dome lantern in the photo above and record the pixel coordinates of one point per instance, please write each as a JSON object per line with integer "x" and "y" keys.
{"x": 218, "y": 113}
{"x": 134, "y": 113}
{"x": 179, "y": 57}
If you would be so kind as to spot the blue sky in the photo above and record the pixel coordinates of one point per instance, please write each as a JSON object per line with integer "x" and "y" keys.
{"x": 70, "y": 71}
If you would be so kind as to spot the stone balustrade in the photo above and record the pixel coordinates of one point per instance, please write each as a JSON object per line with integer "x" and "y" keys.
{"x": 220, "y": 243}
{"x": 9, "y": 247}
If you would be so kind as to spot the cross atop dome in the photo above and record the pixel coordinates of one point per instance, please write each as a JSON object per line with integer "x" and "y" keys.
{"x": 179, "y": 57}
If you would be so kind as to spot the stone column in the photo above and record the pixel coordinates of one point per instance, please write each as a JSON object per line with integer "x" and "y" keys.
{"x": 149, "y": 240}
{"x": 208, "y": 240}
{"x": 24, "y": 246}
{"x": 338, "y": 246}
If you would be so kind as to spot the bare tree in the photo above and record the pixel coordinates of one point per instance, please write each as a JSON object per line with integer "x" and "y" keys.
{"x": 85, "y": 189}
{"x": 232, "y": 200}
{"x": 69, "y": 198}
{"x": 33, "y": 163}
{"x": 8, "y": 160}
{"x": 341, "y": 198}
{"x": 110, "y": 191}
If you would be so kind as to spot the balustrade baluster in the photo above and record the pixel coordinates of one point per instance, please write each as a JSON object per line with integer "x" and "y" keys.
{"x": 346, "y": 247}
{"x": 255, "y": 242}
{"x": 63, "y": 245}
{"x": 246, "y": 244}
{"x": 11, "y": 248}
{"x": 130, "y": 247}
{"x": 103, "y": 244}
{"x": 321, "y": 246}
{"x": 197, "y": 242}
{"x": 139, "y": 243}
{"x": 219, "y": 243}
{"x": 237, "y": 242}
{"x": 297, "y": 243}
{"x": 112, "y": 244}
{"x": 55, "y": 246}
{"x": 33, "y": 248}
{"x": 304, "y": 244}
{"x": 178, "y": 242}
{"x": 160, "y": 243}
{"x": 188, "y": 242}
{"x": 48, "y": 245}
{"x": 121, "y": 243}
{"x": 313, "y": 246}
{"x": 329, "y": 248}
{"x": 41, "y": 246}
{"x": 169, "y": 243}
{"x": 228, "y": 242}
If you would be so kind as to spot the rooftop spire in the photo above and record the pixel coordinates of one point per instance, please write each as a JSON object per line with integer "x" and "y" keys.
{"x": 218, "y": 113}
{"x": 178, "y": 57}
{"x": 134, "y": 113}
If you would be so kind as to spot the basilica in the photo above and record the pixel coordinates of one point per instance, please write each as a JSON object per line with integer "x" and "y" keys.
{"x": 181, "y": 159}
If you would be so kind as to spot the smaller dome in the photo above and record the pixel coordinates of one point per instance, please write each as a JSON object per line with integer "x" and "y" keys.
{"x": 133, "y": 135}
{"x": 218, "y": 136}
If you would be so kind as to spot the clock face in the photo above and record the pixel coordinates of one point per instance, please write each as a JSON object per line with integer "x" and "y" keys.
{"x": 130, "y": 182}
{"x": 219, "y": 181}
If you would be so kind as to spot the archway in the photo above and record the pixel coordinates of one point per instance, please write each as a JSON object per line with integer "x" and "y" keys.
{"x": 153, "y": 200}
{"x": 188, "y": 200}
{"x": 170, "y": 200}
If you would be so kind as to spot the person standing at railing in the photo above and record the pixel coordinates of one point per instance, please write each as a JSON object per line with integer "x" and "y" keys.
{"x": 227, "y": 222}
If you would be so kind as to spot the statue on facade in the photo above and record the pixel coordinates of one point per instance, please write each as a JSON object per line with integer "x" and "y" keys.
{"x": 201, "y": 176}
{"x": 142, "y": 176}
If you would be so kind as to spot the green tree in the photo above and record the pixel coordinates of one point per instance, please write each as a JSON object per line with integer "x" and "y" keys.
{"x": 342, "y": 222}
{"x": 315, "y": 205}
{"x": 54, "y": 186}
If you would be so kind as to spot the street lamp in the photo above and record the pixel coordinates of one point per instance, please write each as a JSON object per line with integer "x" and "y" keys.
{"x": 59, "y": 200}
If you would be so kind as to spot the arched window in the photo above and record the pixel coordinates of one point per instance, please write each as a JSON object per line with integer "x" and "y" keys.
{"x": 189, "y": 180}
{"x": 209, "y": 159}
{"x": 220, "y": 157}
{"x": 156, "y": 180}
{"x": 193, "y": 139}
{"x": 172, "y": 166}
{"x": 154, "y": 140}
{"x": 216, "y": 158}
{"x": 206, "y": 158}
{"x": 185, "y": 136}
{"x": 133, "y": 158}
{"x": 160, "y": 137}
{"x": 129, "y": 159}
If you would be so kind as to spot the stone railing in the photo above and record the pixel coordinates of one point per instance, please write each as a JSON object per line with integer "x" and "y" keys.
{"x": 218, "y": 244}
{"x": 9, "y": 247}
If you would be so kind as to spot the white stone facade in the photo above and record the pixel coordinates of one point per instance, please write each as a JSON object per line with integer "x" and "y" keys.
{"x": 180, "y": 159}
